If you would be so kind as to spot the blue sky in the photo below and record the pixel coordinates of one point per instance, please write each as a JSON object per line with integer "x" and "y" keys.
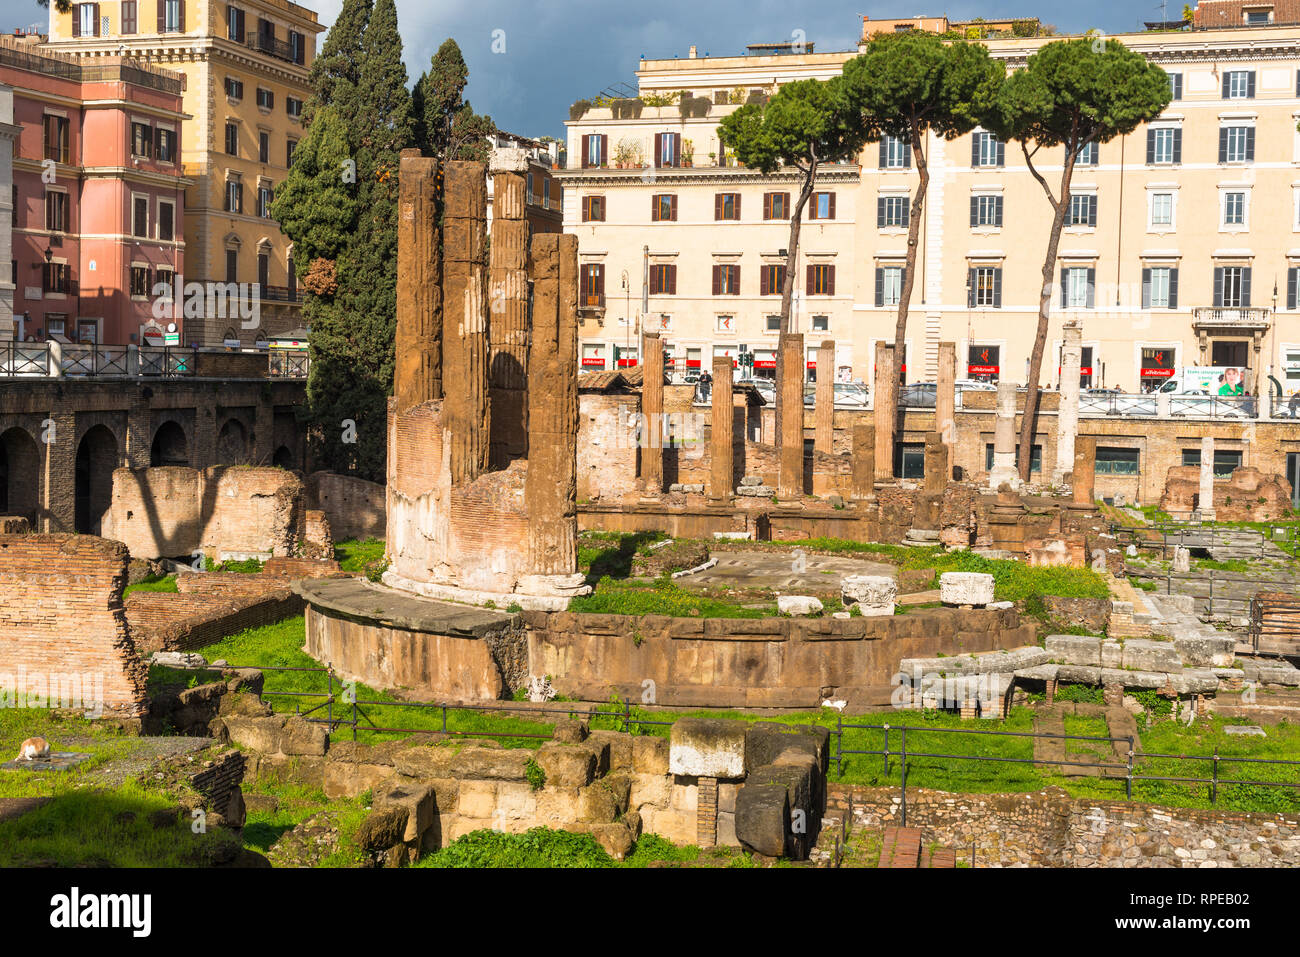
{"x": 557, "y": 51}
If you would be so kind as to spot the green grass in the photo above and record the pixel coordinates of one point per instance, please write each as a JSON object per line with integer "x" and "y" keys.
{"x": 362, "y": 557}
{"x": 613, "y": 597}
{"x": 245, "y": 566}
{"x": 165, "y": 583}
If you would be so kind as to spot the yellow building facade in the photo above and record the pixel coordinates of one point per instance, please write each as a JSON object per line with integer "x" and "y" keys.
{"x": 245, "y": 66}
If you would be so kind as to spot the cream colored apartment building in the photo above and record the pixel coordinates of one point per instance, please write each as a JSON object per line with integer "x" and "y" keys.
{"x": 1183, "y": 248}
{"x": 245, "y": 65}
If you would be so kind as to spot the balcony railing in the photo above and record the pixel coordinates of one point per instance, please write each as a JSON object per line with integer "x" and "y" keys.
{"x": 272, "y": 46}
{"x": 45, "y": 360}
{"x": 1155, "y": 405}
{"x": 1229, "y": 316}
{"x": 288, "y": 363}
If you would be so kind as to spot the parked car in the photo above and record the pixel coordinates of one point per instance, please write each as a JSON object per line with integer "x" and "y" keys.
{"x": 848, "y": 395}
{"x": 917, "y": 395}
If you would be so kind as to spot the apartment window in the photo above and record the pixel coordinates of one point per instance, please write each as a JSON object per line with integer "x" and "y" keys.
{"x": 130, "y": 18}
{"x": 776, "y": 205}
{"x": 1087, "y": 155}
{"x": 591, "y": 284}
{"x": 1232, "y": 287}
{"x": 985, "y": 287}
{"x": 1234, "y": 207}
{"x": 771, "y": 279}
{"x": 1256, "y": 18}
{"x": 232, "y": 265}
{"x": 263, "y": 272}
{"x": 232, "y": 138}
{"x": 235, "y": 24}
{"x": 56, "y": 278}
{"x": 263, "y": 147}
{"x": 88, "y": 331}
{"x": 595, "y": 150}
{"x": 1078, "y": 284}
{"x": 1239, "y": 85}
{"x": 140, "y": 216}
{"x": 663, "y": 207}
{"x": 821, "y": 280}
{"x": 56, "y": 211}
{"x": 1175, "y": 86}
{"x": 772, "y": 323}
{"x": 293, "y": 106}
{"x": 265, "y": 194}
{"x": 289, "y": 146}
{"x": 1236, "y": 144}
{"x": 986, "y": 210}
{"x": 546, "y": 192}
{"x": 1162, "y": 210}
{"x": 822, "y": 206}
{"x": 593, "y": 209}
{"x": 297, "y": 47}
{"x": 987, "y": 150}
{"x": 1035, "y": 457}
{"x": 663, "y": 279}
{"x": 56, "y": 326}
{"x": 726, "y": 280}
{"x": 166, "y": 145}
{"x": 892, "y": 211}
{"x": 1226, "y": 461}
{"x": 85, "y": 20}
{"x": 171, "y": 16}
{"x": 1160, "y": 287}
{"x": 1116, "y": 461}
{"x": 1083, "y": 210}
{"x": 889, "y": 285}
{"x": 821, "y": 323}
{"x": 141, "y": 139}
{"x": 234, "y": 88}
{"x": 668, "y": 149}
{"x": 139, "y": 281}
{"x": 265, "y": 99}
{"x": 726, "y": 206}
{"x": 234, "y": 196}
{"x": 166, "y": 277}
{"x": 1292, "y": 294}
{"x": 1164, "y": 145}
{"x": 166, "y": 220}
{"x": 56, "y": 138}
{"x": 894, "y": 153}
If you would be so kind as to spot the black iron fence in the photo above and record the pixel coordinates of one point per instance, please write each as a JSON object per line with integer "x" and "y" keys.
{"x": 1167, "y": 535}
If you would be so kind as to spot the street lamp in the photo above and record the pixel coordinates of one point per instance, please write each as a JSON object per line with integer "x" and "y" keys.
{"x": 627, "y": 311}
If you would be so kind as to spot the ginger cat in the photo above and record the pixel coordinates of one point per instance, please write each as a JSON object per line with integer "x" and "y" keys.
{"x": 33, "y": 748}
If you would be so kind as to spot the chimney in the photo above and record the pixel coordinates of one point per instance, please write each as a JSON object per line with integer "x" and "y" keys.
{"x": 693, "y": 49}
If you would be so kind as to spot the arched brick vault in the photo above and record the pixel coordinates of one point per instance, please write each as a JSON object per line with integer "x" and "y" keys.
{"x": 20, "y": 458}
{"x": 115, "y": 422}
{"x": 169, "y": 445}
{"x": 234, "y": 439}
{"x": 184, "y": 420}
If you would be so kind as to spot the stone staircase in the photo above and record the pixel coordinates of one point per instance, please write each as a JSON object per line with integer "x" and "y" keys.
{"x": 902, "y": 847}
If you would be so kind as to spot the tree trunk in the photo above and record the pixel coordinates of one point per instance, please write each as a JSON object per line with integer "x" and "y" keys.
{"x": 909, "y": 273}
{"x": 1025, "y": 454}
{"x": 787, "y": 287}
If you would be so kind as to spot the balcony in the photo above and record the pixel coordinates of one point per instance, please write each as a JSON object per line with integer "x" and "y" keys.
{"x": 271, "y": 46}
{"x": 1220, "y": 317}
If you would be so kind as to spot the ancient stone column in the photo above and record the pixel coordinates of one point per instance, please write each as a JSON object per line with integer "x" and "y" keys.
{"x": 722, "y": 484}
{"x": 945, "y": 395}
{"x": 417, "y": 373}
{"x": 1085, "y": 469}
{"x": 1067, "y": 419}
{"x": 864, "y": 460}
{"x": 789, "y": 427}
{"x": 465, "y": 318}
{"x": 937, "y": 470}
{"x": 886, "y": 410}
{"x": 1205, "y": 500}
{"x": 824, "y": 407}
{"x": 652, "y": 413}
{"x": 551, "y": 489}
{"x": 508, "y": 295}
{"x": 1004, "y": 438}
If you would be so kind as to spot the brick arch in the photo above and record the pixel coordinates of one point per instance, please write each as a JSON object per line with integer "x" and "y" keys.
{"x": 170, "y": 444}
{"x": 20, "y": 466}
{"x": 98, "y": 454}
{"x": 234, "y": 442}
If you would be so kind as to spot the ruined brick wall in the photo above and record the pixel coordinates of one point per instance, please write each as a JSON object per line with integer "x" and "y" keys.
{"x": 607, "y": 453}
{"x": 1248, "y": 495}
{"x": 62, "y": 610}
{"x": 173, "y": 512}
{"x": 206, "y": 612}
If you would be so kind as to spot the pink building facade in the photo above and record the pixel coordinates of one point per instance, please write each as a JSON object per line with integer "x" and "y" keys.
{"x": 98, "y": 198}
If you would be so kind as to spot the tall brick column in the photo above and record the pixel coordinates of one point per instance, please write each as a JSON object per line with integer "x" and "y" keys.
{"x": 652, "y": 413}
{"x": 722, "y": 482}
{"x": 263, "y": 432}
{"x": 864, "y": 461}
{"x": 465, "y": 317}
{"x": 417, "y": 373}
{"x": 945, "y": 395}
{"x": 824, "y": 407}
{"x": 508, "y": 288}
{"x": 886, "y": 410}
{"x": 551, "y": 489}
{"x": 1004, "y": 438}
{"x": 203, "y": 447}
{"x": 1067, "y": 419}
{"x": 1085, "y": 470}
{"x": 789, "y": 426}
{"x": 937, "y": 469}
{"x": 58, "y": 509}
{"x": 138, "y": 453}
{"x": 1205, "y": 498}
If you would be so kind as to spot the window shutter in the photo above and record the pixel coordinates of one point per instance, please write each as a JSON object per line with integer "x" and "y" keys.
{"x": 1226, "y": 77}
{"x": 1092, "y": 210}
{"x": 975, "y": 149}
{"x": 181, "y": 24}
{"x": 1250, "y": 144}
{"x": 1151, "y": 146}
{"x": 586, "y": 151}
{"x": 717, "y": 206}
{"x": 1291, "y": 287}
{"x": 735, "y": 274}
{"x": 1002, "y": 153}
{"x": 767, "y": 205}
{"x": 717, "y": 280}
{"x": 831, "y": 204}
{"x": 1178, "y": 145}
{"x": 785, "y": 205}
{"x": 974, "y": 211}
{"x": 654, "y": 209}
{"x": 970, "y": 288}
{"x": 1065, "y": 289}
{"x": 1250, "y": 85}
{"x": 997, "y": 216}
{"x": 1092, "y": 287}
{"x": 584, "y": 285}
{"x": 672, "y": 201}
{"x": 1245, "y": 288}
{"x": 1223, "y": 144}
{"x": 830, "y": 280}
{"x": 997, "y": 288}
{"x": 659, "y": 150}
{"x": 884, "y": 148}
{"x": 97, "y": 21}
{"x": 737, "y": 210}
{"x": 76, "y": 27}
{"x": 880, "y": 212}
{"x": 1173, "y": 288}
{"x": 812, "y": 280}
{"x": 1146, "y": 288}
{"x": 880, "y": 286}
{"x": 1218, "y": 287}
{"x": 907, "y": 212}
{"x": 672, "y": 280}
{"x": 604, "y": 149}
{"x": 907, "y": 156}
{"x": 764, "y": 278}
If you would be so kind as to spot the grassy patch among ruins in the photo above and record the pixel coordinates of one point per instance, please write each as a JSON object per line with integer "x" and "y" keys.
{"x": 362, "y": 557}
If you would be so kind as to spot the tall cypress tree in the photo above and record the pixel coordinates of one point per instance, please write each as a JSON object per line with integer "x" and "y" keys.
{"x": 336, "y": 71}
{"x": 445, "y": 124}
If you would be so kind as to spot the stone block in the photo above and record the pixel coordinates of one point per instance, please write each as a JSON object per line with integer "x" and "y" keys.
{"x": 256, "y": 734}
{"x": 345, "y": 779}
{"x": 799, "y": 605}
{"x": 763, "y": 817}
{"x": 873, "y": 594}
{"x": 766, "y": 740}
{"x": 477, "y": 799}
{"x": 649, "y": 754}
{"x": 1112, "y": 654}
{"x": 424, "y": 761}
{"x": 618, "y": 746}
{"x": 1073, "y": 649}
{"x": 516, "y": 800}
{"x": 965, "y": 588}
{"x": 567, "y": 766}
{"x": 420, "y": 803}
{"x": 707, "y": 747}
{"x": 557, "y": 806}
{"x": 571, "y": 731}
{"x": 303, "y": 737}
{"x": 597, "y": 804}
{"x": 1201, "y": 651}
{"x": 1143, "y": 654}
{"x": 382, "y": 828}
{"x": 652, "y": 789}
{"x": 498, "y": 764}
{"x": 616, "y": 839}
